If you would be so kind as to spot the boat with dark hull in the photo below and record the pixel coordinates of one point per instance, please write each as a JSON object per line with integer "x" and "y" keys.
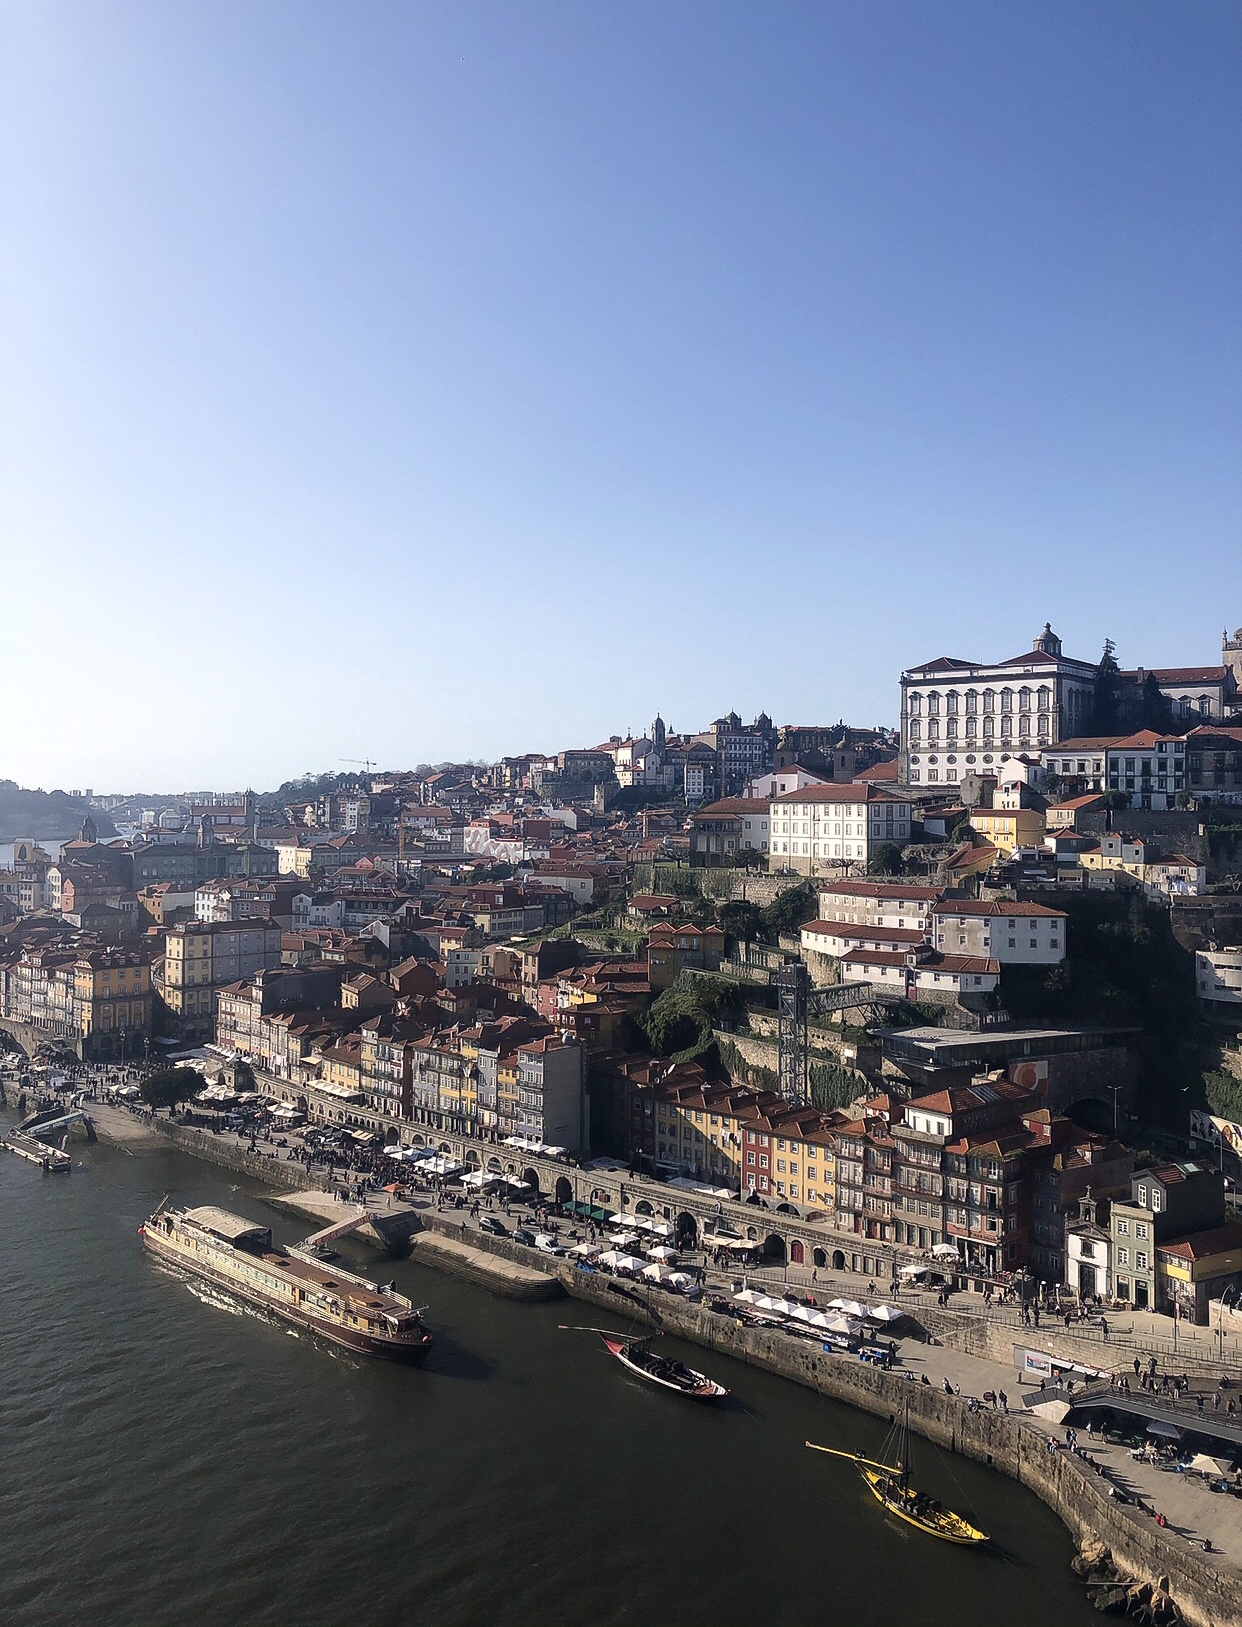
{"x": 238, "y": 1255}
{"x": 637, "y": 1357}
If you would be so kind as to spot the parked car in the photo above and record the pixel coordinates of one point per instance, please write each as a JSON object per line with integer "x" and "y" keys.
{"x": 546, "y": 1244}
{"x": 521, "y": 1235}
{"x": 496, "y": 1228}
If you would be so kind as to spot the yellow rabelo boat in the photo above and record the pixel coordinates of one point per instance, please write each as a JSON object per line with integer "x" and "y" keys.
{"x": 889, "y": 1483}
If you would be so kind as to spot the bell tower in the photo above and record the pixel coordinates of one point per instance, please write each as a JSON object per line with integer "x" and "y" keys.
{"x": 1231, "y": 654}
{"x": 1048, "y": 642}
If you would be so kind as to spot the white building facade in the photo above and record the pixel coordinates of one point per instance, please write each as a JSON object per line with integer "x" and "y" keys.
{"x": 821, "y": 828}
{"x": 1009, "y": 931}
{"x": 960, "y": 717}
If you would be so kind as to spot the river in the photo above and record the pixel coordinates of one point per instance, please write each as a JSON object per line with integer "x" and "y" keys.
{"x": 167, "y": 1461}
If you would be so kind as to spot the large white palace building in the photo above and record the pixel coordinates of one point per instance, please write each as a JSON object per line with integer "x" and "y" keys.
{"x": 961, "y": 717}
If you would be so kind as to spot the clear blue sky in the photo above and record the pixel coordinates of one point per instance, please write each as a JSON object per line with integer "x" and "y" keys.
{"x": 418, "y": 381}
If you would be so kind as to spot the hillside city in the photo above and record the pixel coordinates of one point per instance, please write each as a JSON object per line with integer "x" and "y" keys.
{"x": 969, "y": 988}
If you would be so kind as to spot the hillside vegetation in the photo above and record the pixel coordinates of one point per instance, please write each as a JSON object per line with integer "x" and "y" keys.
{"x": 51, "y": 815}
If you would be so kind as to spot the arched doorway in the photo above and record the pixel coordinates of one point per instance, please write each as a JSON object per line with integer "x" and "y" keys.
{"x": 752, "y": 1236}
{"x": 642, "y": 1207}
{"x": 494, "y": 1166}
{"x": 446, "y": 1148}
{"x": 685, "y": 1231}
{"x": 563, "y": 1191}
{"x": 774, "y": 1248}
{"x": 838, "y": 1259}
{"x": 531, "y": 1177}
{"x": 818, "y": 1257}
{"x": 472, "y": 1158}
{"x": 797, "y": 1254}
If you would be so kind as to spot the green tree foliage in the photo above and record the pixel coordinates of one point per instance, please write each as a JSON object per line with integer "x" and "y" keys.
{"x": 683, "y": 884}
{"x": 50, "y": 815}
{"x": 741, "y": 919}
{"x": 832, "y": 1085}
{"x": 1223, "y": 1091}
{"x": 679, "y": 1023}
{"x": 794, "y": 907}
{"x": 887, "y": 860}
{"x": 170, "y": 1086}
{"x": 1105, "y": 715}
{"x": 1123, "y": 968}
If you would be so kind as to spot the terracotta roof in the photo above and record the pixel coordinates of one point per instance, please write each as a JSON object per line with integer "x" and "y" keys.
{"x": 864, "y": 931}
{"x": 1184, "y": 675}
{"x": 851, "y": 792}
{"x": 1202, "y": 1245}
{"x": 991, "y": 908}
{"x": 944, "y": 663}
{"x": 878, "y": 890}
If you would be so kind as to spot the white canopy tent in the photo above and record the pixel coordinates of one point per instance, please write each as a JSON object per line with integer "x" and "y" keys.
{"x": 849, "y": 1307}
{"x": 660, "y": 1251}
{"x": 944, "y": 1251}
{"x": 884, "y": 1313}
{"x": 620, "y": 1261}
{"x": 440, "y": 1165}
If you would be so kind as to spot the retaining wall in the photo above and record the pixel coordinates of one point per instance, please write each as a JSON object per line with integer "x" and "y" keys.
{"x": 1208, "y": 1595}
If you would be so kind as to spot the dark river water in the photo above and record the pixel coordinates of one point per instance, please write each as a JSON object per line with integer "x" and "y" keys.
{"x": 167, "y": 1460}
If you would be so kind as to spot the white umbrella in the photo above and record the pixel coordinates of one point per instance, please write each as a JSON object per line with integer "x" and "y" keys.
{"x": 841, "y": 1324}
{"x": 944, "y": 1251}
{"x": 661, "y": 1251}
{"x": 681, "y": 1279}
{"x": 848, "y": 1307}
{"x": 913, "y": 1271}
{"x": 765, "y": 1302}
{"x": 885, "y": 1313}
{"x": 1210, "y": 1465}
{"x": 748, "y": 1296}
{"x": 585, "y": 1248}
{"x": 623, "y": 1239}
{"x": 655, "y": 1272}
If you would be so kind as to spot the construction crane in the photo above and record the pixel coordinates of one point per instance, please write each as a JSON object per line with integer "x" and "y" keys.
{"x": 796, "y": 1002}
{"x": 363, "y": 762}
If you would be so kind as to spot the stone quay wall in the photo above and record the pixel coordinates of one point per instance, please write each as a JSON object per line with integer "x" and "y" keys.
{"x": 273, "y": 1170}
{"x": 1206, "y": 1595}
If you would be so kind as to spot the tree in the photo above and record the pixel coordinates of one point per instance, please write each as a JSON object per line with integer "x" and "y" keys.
{"x": 1105, "y": 713}
{"x": 741, "y": 919}
{"x": 170, "y": 1086}
{"x": 787, "y": 913}
{"x": 887, "y": 859}
{"x": 680, "y": 1022}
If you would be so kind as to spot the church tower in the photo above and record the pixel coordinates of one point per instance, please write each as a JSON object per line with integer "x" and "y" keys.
{"x": 658, "y": 736}
{"x": 1048, "y": 642}
{"x": 1231, "y": 654}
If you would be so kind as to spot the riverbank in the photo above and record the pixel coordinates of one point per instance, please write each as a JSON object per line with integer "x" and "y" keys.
{"x": 393, "y": 1226}
{"x": 1018, "y": 1447}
